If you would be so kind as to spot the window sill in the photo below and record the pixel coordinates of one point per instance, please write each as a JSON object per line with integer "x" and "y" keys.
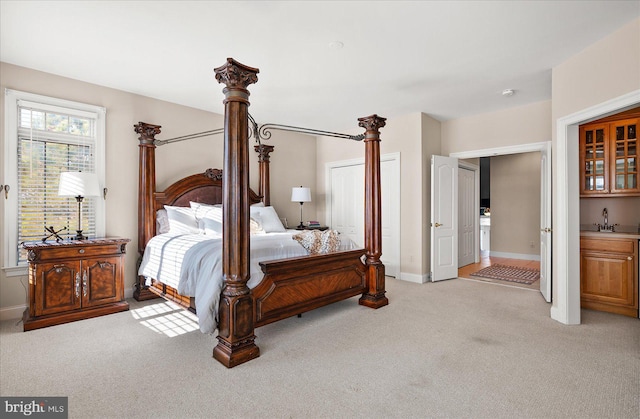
{"x": 15, "y": 271}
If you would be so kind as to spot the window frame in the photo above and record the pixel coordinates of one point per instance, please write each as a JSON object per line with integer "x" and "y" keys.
{"x": 10, "y": 232}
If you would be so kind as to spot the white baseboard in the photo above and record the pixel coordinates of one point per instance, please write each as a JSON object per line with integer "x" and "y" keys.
{"x": 12, "y": 312}
{"x": 514, "y": 255}
{"x": 416, "y": 278}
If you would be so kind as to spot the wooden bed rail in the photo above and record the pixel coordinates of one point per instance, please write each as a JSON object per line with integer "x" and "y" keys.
{"x": 290, "y": 286}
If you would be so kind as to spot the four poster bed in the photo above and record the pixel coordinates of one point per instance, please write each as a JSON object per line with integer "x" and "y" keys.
{"x": 288, "y": 286}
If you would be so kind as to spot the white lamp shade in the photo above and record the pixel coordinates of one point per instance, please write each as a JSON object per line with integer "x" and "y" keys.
{"x": 301, "y": 194}
{"x": 78, "y": 184}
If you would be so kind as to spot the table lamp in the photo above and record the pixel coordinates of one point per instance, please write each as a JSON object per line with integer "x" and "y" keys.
{"x": 78, "y": 185}
{"x": 300, "y": 195}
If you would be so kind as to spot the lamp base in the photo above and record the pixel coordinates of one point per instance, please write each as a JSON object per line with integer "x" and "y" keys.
{"x": 79, "y": 236}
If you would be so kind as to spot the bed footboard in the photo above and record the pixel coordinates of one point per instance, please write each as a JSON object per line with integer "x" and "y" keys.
{"x": 297, "y": 285}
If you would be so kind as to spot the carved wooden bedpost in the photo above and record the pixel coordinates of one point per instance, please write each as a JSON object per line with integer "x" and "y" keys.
{"x": 236, "y": 314}
{"x": 374, "y": 297}
{"x": 147, "y": 187}
{"x": 264, "y": 190}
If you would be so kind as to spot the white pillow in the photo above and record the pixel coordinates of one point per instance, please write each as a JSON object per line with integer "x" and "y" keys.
{"x": 200, "y": 210}
{"x": 259, "y": 204}
{"x": 270, "y": 221}
{"x": 209, "y": 217}
{"x": 210, "y": 227}
{"x": 162, "y": 222}
{"x": 182, "y": 220}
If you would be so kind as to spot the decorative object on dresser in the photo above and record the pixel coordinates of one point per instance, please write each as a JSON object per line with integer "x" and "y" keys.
{"x": 315, "y": 225}
{"x": 78, "y": 185}
{"x": 287, "y": 286}
{"x": 74, "y": 280}
{"x": 300, "y": 195}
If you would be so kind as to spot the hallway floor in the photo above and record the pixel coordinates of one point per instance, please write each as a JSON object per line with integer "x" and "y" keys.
{"x": 486, "y": 260}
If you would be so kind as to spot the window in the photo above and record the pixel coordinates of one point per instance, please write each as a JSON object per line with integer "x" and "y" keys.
{"x": 44, "y": 137}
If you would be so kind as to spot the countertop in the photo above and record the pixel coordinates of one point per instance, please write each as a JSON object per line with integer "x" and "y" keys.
{"x": 621, "y": 232}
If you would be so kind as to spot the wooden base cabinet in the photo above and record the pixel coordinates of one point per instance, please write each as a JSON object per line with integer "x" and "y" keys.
{"x": 609, "y": 275}
{"x": 74, "y": 280}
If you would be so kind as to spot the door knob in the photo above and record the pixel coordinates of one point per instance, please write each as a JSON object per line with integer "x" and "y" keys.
{"x": 437, "y": 225}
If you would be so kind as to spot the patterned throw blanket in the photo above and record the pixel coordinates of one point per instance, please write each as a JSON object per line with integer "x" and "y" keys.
{"x": 318, "y": 242}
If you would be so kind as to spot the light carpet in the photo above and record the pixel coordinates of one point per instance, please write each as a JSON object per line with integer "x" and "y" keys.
{"x": 454, "y": 348}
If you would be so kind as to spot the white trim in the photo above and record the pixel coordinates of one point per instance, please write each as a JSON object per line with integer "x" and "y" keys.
{"x": 415, "y": 278}
{"x": 15, "y": 271}
{"x": 501, "y": 151}
{"x": 12, "y": 98}
{"x": 567, "y": 228}
{"x": 12, "y": 312}
{"x": 523, "y": 256}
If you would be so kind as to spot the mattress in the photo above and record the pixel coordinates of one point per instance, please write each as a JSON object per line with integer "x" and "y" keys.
{"x": 192, "y": 264}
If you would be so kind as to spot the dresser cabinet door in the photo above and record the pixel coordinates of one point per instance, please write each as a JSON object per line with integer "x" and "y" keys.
{"x": 607, "y": 278}
{"x": 57, "y": 287}
{"x": 101, "y": 282}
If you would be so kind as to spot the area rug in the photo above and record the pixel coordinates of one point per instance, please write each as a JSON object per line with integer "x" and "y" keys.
{"x": 509, "y": 273}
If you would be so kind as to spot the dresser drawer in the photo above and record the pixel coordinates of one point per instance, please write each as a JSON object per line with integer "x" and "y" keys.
{"x": 75, "y": 250}
{"x": 608, "y": 245}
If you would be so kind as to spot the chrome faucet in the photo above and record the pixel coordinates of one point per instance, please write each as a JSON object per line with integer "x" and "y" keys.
{"x": 606, "y": 227}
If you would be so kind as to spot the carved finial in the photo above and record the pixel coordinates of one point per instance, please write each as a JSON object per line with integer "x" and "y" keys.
{"x": 213, "y": 174}
{"x": 263, "y": 151}
{"x": 372, "y": 123}
{"x": 236, "y": 75}
{"x": 147, "y": 131}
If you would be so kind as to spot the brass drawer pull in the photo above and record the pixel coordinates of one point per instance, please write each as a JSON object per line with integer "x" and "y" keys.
{"x": 77, "y": 284}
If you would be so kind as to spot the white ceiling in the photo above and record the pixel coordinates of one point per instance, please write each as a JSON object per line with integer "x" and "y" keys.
{"x": 447, "y": 59}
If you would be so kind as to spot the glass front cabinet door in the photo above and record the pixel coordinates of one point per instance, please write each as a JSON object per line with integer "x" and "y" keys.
{"x": 594, "y": 156}
{"x": 609, "y": 156}
{"x": 624, "y": 147}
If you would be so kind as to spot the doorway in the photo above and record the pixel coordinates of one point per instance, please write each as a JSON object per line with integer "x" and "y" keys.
{"x": 566, "y": 306}
{"x": 545, "y": 203}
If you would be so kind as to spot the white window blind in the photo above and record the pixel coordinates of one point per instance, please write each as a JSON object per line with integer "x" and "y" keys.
{"x": 49, "y": 139}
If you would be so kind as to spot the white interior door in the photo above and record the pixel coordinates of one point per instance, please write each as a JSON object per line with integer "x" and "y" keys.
{"x": 467, "y": 216}
{"x": 545, "y": 222}
{"x": 345, "y": 202}
{"x": 444, "y": 218}
{"x": 347, "y": 206}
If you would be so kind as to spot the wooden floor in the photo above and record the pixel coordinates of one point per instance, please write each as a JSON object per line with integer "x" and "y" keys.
{"x": 486, "y": 260}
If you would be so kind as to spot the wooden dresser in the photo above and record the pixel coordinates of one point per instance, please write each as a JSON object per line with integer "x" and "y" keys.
{"x": 74, "y": 280}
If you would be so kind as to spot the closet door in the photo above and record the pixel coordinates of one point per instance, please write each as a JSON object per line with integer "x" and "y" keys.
{"x": 346, "y": 206}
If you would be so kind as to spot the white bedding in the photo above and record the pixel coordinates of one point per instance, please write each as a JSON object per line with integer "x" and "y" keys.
{"x": 192, "y": 264}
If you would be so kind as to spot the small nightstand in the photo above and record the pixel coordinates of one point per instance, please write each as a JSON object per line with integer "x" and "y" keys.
{"x": 321, "y": 228}
{"x": 74, "y": 280}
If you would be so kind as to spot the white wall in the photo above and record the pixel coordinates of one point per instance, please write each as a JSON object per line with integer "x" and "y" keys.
{"x": 414, "y": 136}
{"x": 293, "y": 153}
{"x": 515, "y": 204}
{"x": 603, "y": 72}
